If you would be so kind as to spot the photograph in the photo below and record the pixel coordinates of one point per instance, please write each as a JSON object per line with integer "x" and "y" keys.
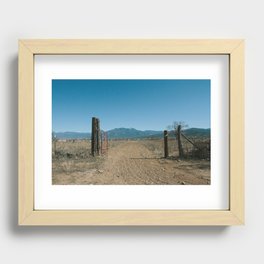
{"x": 131, "y": 132}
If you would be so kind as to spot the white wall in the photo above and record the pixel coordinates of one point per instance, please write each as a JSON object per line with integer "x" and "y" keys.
{"x": 133, "y": 19}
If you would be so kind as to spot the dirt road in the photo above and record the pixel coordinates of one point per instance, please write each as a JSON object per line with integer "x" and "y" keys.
{"x": 133, "y": 162}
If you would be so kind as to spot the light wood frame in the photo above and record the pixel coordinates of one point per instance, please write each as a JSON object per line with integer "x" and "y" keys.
{"x": 29, "y": 216}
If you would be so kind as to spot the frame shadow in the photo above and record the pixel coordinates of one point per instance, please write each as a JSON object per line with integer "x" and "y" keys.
{"x": 74, "y": 231}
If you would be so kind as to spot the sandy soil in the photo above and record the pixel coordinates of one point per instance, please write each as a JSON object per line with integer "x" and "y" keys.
{"x": 131, "y": 162}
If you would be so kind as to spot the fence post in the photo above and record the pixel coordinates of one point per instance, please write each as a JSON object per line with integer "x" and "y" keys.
{"x": 98, "y": 138}
{"x": 166, "y": 152}
{"x": 106, "y": 141}
{"x": 102, "y": 142}
{"x": 181, "y": 154}
{"x": 93, "y": 136}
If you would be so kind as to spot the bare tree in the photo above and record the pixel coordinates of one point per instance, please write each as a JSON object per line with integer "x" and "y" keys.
{"x": 181, "y": 123}
{"x": 174, "y": 126}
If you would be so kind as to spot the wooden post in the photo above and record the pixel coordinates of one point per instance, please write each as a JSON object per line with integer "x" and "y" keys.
{"x": 166, "y": 152}
{"x": 181, "y": 154}
{"x": 106, "y": 141}
{"x": 102, "y": 142}
{"x": 98, "y": 137}
{"x": 93, "y": 137}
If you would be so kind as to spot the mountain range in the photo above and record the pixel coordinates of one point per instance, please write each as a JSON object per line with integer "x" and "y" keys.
{"x": 132, "y": 133}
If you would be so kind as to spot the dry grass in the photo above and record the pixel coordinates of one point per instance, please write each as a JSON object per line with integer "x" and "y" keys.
{"x": 127, "y": 162}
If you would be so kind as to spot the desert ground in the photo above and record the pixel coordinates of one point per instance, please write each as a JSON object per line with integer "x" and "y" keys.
{"x": 130, "y": 162}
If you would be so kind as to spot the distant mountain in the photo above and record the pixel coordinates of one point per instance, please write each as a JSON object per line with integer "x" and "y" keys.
{"x": 197, "y": 132}
{"x": 122, "y": 133}
{"x": 72, "y": 135}
{"x": 130, "y": 133}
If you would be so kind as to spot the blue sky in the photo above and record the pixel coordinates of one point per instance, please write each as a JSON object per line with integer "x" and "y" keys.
{"x": 140, "y": 104}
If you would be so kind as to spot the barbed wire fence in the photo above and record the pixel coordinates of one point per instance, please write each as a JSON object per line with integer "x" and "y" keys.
{"x": 187, "y": 147}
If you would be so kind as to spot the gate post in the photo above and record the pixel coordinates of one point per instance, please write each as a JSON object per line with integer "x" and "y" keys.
{"x": 181, "y": 154}
{"x": 166, "y": 152}
{"x": 93, "y": 137}
{"x": 98, "y": 137}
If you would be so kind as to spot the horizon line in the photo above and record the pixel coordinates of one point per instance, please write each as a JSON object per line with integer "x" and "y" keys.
{"x": 129, "y": 128}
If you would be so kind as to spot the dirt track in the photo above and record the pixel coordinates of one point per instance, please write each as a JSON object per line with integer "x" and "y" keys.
{"x": 133, "y": 162}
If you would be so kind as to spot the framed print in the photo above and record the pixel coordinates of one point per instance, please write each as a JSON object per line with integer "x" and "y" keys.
{"x": 131, "y": 132}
